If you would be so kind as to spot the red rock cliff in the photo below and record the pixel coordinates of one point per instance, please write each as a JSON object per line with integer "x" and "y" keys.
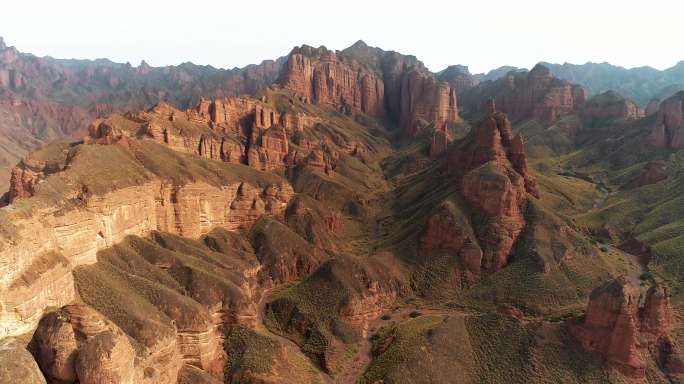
{"x": 615, "y": 327}
{"x": 668, "y": 130}
{"x": 532, "y": 95}
{"x": 371, "y": 81}
{"x": 491, "y": 169}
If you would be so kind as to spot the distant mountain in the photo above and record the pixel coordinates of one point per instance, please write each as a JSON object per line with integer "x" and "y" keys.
{"x": 640, "y": 84}
{"x": 43, "y": 98}
{"x": 497, "y": 73}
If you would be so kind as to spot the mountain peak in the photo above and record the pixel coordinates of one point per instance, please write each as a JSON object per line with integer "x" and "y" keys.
{"x": 2, "y": 43}
{"x": 540, "y": 69}
{"x": 359, "y": 44}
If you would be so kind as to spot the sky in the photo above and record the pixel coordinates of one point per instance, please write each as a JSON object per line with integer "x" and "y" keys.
{"x": 480, "y": 34}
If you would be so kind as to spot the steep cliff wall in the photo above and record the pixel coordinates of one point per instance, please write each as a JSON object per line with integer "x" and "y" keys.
{"x": 44, "y": 237}
{"x": 668, "y": 130}
{"x": 374, "y": 82}
{"x": 536, "y": 94}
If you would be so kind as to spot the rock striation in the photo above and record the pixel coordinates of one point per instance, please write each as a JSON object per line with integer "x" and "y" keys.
{"x": 620, "y": 330}
{"x": 326, "y": 77}
{"x": 536, "y": 94}
{"x": 77, "y": 344}
{"x": 105, "y": 193}
{"x": 668, "y": 130}
{"x": 238, "y": 130}
{"x": 374, "y": 82}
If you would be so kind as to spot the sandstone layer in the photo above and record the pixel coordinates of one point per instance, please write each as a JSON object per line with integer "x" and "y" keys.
{"x": 620, "y": 329}
{"x": 45, "y": 239}
{"x": 374, "y": 82}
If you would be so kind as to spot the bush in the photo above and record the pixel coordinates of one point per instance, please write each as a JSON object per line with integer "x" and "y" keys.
{"x": 647, "y": 276}
{"x": 385, "y": 317}
{"x": 604, "y": 249}
{"x": 414, "y": 314}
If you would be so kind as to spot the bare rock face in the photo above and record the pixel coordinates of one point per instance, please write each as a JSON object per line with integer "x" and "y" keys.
{"x": 425, "y": 100}
{"x": 668, "y": 131}
{"x": 374, "y": 82}
{"x": 532, "y": 95}
{"x": 615, "y": 327}
{"x": 491, "y": 169}
{"x": 440, "y": 142}
{"x": 656, "y": 314}
{"x": 238, "y": 130}
{"x": 652, "y": 107}
{"x": 77, "y": 344}
{"x": 611, "y": 326}
{"x": 43, "y": 245}
{"x": 16, "y": 363}
{"x": 324, "y": 77}
{"x": 653, "y": 172}
{"x": 26, "y": 175}
{"x": 611, "y": 105}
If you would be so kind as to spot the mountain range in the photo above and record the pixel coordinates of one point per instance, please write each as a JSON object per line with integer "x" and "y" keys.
{"x": 340, "y": 217}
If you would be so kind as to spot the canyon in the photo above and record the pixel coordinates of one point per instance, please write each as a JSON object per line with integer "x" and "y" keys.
{"x": 335, "y": 216}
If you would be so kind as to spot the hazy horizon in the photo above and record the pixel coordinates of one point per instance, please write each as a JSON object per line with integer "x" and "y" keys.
{"x": 481, "y": 36}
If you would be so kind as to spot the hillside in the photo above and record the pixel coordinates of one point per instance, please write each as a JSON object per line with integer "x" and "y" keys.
{"x": 360, "y": 219}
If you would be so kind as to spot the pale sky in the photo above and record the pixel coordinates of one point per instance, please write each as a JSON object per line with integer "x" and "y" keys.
{"x": 481, "y": 34}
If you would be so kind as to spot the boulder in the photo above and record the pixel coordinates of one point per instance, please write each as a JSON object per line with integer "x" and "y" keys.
{"x": 17, "y": 366}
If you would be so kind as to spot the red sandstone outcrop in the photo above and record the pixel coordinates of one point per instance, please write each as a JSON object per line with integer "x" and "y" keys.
{"x": 531, "y": 95}
{"x": 16, "y": 363}
{"x": 618, "y": 329}
{"x": 668, "y": 131}
{"x": 77, "y": 344}
{"x": 610, "y": 105}
{"x": 491, "y": 169}
{"x": 425, "y": 100}
{"x": 374, "y": 82}
{"x": 235, "y": 130}
{"x": 325, "y": 77}
{"x": 42, "y": 246}
{"x": 653, "y": 172}
{"x": 656, "y": 315}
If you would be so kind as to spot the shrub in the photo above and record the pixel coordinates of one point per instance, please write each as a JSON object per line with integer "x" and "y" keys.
{"x": 647, "y": 276}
